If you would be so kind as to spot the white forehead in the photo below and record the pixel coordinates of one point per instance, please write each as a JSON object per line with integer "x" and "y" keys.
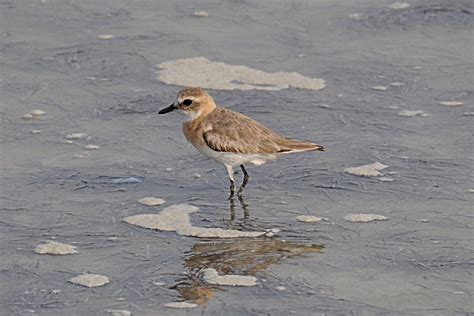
{"x": 185, "y": 97}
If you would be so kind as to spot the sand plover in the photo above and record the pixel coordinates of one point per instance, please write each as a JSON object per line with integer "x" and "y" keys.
{"x": 229, "y": 137}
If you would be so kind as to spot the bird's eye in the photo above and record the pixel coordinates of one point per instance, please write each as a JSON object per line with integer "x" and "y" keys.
{"x": 187, "y": 102}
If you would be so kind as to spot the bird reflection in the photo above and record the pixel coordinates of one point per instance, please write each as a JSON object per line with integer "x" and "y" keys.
{"x": 243, "y": 257}
{"x": 243, "y": 205}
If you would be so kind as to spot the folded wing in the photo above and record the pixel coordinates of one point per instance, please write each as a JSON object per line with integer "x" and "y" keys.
{"x": 236, "y": 133}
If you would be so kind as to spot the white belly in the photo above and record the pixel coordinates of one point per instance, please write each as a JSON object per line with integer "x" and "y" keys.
{"x": 233, "y": 159}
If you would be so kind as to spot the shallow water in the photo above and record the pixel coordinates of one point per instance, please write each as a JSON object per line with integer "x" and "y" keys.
{"x": 418, "y": 261}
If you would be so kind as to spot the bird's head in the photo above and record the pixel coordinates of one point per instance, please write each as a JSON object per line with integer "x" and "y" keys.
{"x": 193, "y": 102}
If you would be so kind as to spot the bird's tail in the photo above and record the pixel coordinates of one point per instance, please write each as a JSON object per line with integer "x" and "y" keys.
{"x": 291, "y": 146}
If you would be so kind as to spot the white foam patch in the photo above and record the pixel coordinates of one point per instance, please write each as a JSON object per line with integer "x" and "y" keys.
{"x": 212, "y": 277}
{"x": 37, "y": 112}
{"x": 180, "y": 305}
{"x": 90, "y": 280}
{"x": 397, "y": 84}
{"x": 408, "y": 113}
{"x": 371, "y": 170}
{"x": 119, "y": 312}
{"x": 379, "y": 88}
{"x": 55, "y": 248}
{"x": 105, "y": 36}
{"x": 176, "y": 218}
{"x": 399, "y": 5}
{"x": 33, "y": 114}
{"x": 201, "y": 14}
{"x": 76, "y": 135}
{"x": 447, "y": 103}
{"x": 364, "y": 217}
{"x": 207, "y": 74}
{"x": 308, "y": 218}
{"x": 151, "y": 201}
{"x": 91, "y": 147}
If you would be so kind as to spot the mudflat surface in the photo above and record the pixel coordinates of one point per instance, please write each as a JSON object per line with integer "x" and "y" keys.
{"x": 58, "y": 57}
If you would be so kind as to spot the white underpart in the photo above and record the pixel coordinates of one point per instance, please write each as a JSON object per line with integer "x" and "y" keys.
{"x": 235, "y": 159}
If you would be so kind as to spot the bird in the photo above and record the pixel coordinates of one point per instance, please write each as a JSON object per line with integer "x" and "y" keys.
{"x": 229, "y": 137}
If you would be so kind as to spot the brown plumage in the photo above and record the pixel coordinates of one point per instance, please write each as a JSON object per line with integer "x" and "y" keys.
{"x": 230, "y": 132}
{"x": 230, "y": 137}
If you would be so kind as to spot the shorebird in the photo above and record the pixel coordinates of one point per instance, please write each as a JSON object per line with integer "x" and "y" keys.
{"x": 228, "y": 137}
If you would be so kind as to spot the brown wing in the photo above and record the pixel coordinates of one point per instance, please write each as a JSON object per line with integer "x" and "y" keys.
{"x": 236, "y": 133}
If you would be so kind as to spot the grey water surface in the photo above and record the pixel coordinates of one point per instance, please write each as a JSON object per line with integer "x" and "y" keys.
{"x": 418, "y": 262}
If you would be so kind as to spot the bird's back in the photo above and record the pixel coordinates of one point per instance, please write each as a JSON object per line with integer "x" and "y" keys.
{"x": 224, "y": 130}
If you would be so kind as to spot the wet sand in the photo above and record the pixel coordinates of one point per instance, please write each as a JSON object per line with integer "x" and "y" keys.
{"x": 73, "y": 173}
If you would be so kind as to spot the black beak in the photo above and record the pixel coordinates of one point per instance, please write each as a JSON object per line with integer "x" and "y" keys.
{"x": 170, "y": 108}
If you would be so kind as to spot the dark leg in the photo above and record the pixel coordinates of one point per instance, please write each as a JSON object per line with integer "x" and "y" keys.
{"x": 232, "y": 189}
{"x": 246, "y": 180}
{"x": 232, "y": 209}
